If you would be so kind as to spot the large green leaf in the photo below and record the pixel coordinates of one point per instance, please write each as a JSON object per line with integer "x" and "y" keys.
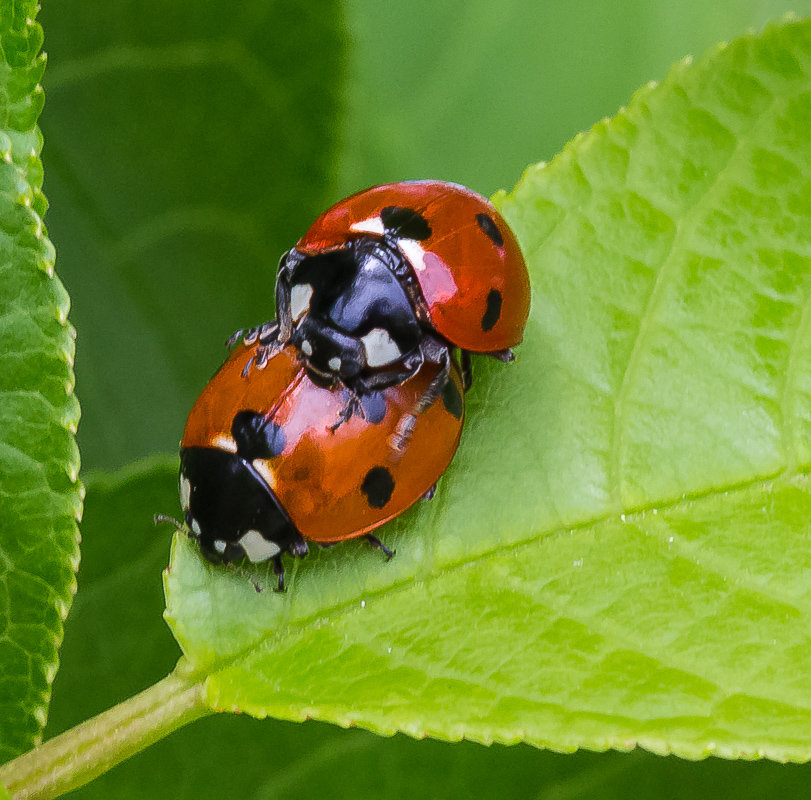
{"x": 618, "y": 554}
{"x": 115, "y": 647}
{"x": 40, "y": 498}
{"x": 188, "y": 146}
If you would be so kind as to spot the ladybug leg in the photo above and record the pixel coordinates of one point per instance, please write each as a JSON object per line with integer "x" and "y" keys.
{"x": 269, "y": 333}
{"x": 405, "y": 427}
{"x": 382, "y": 380}
{"x": 372, "y": 383}
{"x": 375, "y": 542}
{"x": 237, "y": 335}
{"x": 467, "y": 370}
{"x": 278, "y": 571}
{"x": 429, "y": 495}
{"x": 298, "y": 549}
{"x": 268, "y": 337}
{"x": 351, "y": 406}
{"x": 505, "y": 356}
{"x": 263, "y": 332}
{"x": 283, "y": 313}
{"x": 269, "y": 344}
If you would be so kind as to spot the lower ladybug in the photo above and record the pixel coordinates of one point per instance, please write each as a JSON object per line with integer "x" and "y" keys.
{"x": 264, "y": 471}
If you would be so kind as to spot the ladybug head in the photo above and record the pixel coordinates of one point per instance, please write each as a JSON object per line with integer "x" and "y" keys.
{"x": 347, "y": 311}
{"x": 327, "y": 352}
{"x": 230, "y": 509}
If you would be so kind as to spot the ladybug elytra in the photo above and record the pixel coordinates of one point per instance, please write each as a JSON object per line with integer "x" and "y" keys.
{"x": 263, "y": 473}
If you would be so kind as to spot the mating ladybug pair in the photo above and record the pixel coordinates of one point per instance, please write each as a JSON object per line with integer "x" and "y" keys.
{"x": 345, "y": 410}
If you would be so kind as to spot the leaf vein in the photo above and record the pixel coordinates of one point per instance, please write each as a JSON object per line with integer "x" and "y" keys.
{"x": 790, "y": 427}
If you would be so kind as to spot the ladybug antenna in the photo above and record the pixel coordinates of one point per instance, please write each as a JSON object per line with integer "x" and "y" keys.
{"x": 243, "y": 573}
{"x": 159, "y": 518}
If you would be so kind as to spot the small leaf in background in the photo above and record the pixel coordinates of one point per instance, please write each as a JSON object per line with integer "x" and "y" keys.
{"x": 618, "y": 554}
{"x": 40, "y": 498}
{"x": 482, "y": 89}
{"x": 188, "y": 146}
{"x": 115, "y": 647}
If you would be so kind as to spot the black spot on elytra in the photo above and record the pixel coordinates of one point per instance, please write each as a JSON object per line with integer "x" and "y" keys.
{"x": 405, "y": 223}
{"x": 452, "y": 400}
{"x": 378, "y": 486}
{"x": 256, "y": 436}
{"x": 493, "y": 310}
{"x": 374, "y": 406}
{"x": 491, "y": 229}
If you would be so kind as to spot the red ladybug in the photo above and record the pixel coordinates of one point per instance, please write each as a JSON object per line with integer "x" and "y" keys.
{"x": 394, "y": 277}
{"x": 263, "y": 471}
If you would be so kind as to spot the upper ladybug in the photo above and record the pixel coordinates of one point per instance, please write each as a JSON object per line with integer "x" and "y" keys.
{"x": 395, "y": 276}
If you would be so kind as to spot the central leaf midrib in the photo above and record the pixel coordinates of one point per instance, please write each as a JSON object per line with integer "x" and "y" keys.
{"x": 329, "y": 614}
{"x": 498, "y": 693}
{"x": 791, "y": 437}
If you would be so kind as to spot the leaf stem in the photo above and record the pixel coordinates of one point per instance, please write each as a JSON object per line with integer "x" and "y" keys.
{"x": 80, "y": 754}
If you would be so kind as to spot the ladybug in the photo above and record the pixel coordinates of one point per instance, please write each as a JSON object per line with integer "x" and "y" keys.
{"x": 262, "y": 472}
{"x": 394, "y": 277}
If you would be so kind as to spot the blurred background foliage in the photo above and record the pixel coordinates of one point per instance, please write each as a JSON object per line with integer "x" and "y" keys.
{"x": 184, "y": 151}
{"x": 186, "y": 147}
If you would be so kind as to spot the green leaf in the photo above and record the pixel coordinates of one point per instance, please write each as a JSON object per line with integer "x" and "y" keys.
{"x": 618, "y": 554}
{"x": 40, "y": 498}
{"x": 188, "y": 147}
{"x": 123, "y": 645}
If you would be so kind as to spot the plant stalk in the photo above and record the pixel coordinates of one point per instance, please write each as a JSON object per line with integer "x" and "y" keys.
{"x": 80, "y": 754}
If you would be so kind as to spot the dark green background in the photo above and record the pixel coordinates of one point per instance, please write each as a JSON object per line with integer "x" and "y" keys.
{"x": 186, "y": 146}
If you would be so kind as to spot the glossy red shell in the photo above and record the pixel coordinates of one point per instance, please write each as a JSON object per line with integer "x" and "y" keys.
{"x": 318, "y": 476}
{"x": 464, "y": 272}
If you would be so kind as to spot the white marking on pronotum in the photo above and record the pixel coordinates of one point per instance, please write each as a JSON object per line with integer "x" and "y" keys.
{"x": 372, "y": 225}
{"x": 306, "y": 348}
{"x": 195, "y": 526}
{"x": 257, "y": 548}
{"x": 185, "y": 493}
{"x": 334, "y": 363}
{"x": 219, "y": 545}
{"x": 380, "y": 348}
{"x": 300, "y": 300}
{"x": 263, "y": 468}
{"x": 414, "y": 252}
{"x": 223, "y": 441}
